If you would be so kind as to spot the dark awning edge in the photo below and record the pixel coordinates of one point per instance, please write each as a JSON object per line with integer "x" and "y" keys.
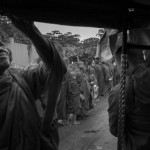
{"x": 93, "y": 13}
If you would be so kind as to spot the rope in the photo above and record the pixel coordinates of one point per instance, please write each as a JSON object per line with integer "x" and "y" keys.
{"x": 121, "y": 114}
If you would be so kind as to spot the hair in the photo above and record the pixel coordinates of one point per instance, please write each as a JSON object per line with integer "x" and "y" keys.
{"x": 135, "y": 56}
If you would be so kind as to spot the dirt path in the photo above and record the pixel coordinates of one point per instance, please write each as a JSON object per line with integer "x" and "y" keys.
{"x": 92, "y": 133}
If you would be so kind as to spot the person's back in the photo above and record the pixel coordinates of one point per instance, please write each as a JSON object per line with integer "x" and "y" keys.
{"x": 137, "y": 122}
{"x": 138, "y": 112}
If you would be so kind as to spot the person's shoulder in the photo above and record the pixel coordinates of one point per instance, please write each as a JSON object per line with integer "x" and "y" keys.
{"x": 114, "y": 96}
{"x": 115, "y": 90}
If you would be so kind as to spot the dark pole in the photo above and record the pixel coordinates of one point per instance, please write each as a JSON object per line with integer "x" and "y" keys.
{"x": 121, "y": 114}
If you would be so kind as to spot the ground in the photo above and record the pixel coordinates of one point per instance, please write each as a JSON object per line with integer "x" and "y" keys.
{"x": 91, "y": 134}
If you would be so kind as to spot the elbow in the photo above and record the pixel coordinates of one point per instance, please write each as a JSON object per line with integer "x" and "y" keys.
{"x": 114, "y": 132}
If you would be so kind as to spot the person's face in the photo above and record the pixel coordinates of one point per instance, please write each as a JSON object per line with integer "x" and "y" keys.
{"x": 4, "y": 59}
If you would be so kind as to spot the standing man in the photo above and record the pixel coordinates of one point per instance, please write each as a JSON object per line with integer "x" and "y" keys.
{"x": 99, "y": 76}
{"x": 20, "y": 125}
{"x": 107, "y": 76}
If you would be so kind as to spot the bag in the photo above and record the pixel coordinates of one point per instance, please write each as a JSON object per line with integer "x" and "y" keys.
{"x": 53, "y": 130}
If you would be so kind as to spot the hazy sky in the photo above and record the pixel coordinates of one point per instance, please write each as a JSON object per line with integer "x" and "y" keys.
{"x": 84, "y": 32}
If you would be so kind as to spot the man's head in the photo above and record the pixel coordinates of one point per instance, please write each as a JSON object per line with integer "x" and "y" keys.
{"x": 97, "y": 60}
{"x": 82, "y": 69}
{"x": 134, "y": 58}
{"x": 5, "y": 58}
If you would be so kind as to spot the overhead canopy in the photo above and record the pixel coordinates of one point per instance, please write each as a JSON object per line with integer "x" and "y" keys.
{"x": 93, "y": 13}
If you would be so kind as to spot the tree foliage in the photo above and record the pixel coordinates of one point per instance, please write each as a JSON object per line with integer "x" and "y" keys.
{"x": 72, "y": 46}
{"x": 68, "y": 44}
{"x": 8, "y": 30}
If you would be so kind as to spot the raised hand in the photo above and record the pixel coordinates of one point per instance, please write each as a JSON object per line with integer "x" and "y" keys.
{"x": 26, "y": 26}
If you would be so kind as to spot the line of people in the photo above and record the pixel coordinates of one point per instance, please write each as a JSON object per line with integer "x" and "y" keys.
{"x": 83, "y": 84}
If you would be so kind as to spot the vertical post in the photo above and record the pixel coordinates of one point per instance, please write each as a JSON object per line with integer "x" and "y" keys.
{"x": 121, "y": 115}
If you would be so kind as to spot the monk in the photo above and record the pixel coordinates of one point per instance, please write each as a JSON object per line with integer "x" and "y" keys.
{"x": 99, "y": 76}
{"x": 20, "y": 125}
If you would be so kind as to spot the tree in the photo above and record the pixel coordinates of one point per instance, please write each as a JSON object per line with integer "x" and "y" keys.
{"x": 89, "y": 48}
{"x": 68, "y": 42}
{"x": 8, "y": 30}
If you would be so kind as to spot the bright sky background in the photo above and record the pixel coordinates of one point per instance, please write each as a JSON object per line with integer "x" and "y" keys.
{"x": 84, "y": 32}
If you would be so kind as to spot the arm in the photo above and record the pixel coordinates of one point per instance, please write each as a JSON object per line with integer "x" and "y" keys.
{"x": 53, "y": 64}
{"x": 113, "y": 109}
{"x": 44, "y": 48}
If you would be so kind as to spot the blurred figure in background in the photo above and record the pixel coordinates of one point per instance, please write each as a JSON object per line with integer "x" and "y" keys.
{"x": 74, "y": 104}
{"x": 107, "y": 77}
{"x": 99, "y": 76}
{"x": 93, "y": 90}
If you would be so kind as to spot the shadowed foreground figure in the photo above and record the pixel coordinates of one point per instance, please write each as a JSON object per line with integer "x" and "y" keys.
{"x": 20, "y": 125}
{"x": 137, "y": 122}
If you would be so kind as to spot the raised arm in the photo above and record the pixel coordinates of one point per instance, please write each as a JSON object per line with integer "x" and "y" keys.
{"x": 42, "y": 45}
{"x": 55, "y": 66}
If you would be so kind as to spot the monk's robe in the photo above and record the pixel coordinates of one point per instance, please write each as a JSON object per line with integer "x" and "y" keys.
{"x": 20, "y": 124}
{"x": 137, "y": 123}
{"x": 86, "y": 91}
{"x": 73, "y": 97}
{"x": 106, "y": 79}
{"x": 100, "y": 78}
{"x": 63, "y": 99}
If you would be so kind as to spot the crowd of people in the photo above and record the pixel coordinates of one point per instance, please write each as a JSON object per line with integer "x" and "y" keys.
{"x": 84, "y": 84}
{"x": 67, "y": 91}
